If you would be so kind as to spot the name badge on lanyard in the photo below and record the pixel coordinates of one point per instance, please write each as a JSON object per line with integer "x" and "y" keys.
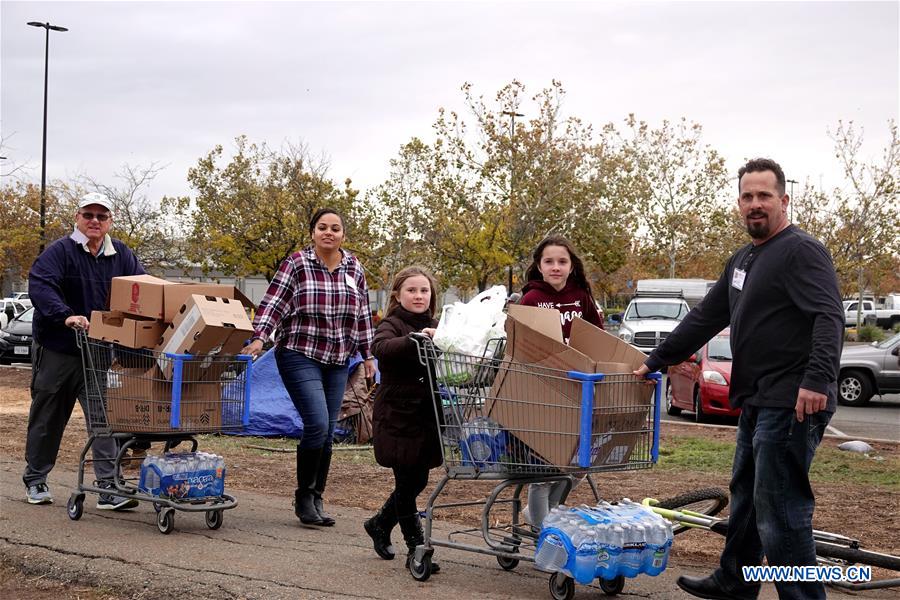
{"x": 737, "y": 279}
{"x": 350, "y": 283}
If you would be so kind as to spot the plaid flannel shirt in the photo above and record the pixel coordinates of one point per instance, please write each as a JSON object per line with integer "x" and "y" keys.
{"x": 322, "y": 315}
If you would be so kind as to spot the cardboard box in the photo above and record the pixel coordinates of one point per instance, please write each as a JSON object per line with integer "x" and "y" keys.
{"x": 209, "y": 326}
{"x": 155, "y": 298}
{"x": 141, "y": 400}
{"x": 125, "y": 330}
{"x": 179, "y": 294}
{"x": 536, "y": 403}
{"x": 140, "y": 295}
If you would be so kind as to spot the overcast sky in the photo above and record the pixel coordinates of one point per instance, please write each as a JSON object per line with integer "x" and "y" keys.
{"x": 139, "y": 82}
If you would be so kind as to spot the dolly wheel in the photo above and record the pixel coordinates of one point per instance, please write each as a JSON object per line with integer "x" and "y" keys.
{"x": 613, "y": 586}
{"x": 214, "y": 518}
{"x": 165, "y": 520}
{"x": 75, "y": 506}
{"x": 562, "y": 587}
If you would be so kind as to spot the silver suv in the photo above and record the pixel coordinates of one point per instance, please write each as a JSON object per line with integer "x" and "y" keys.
{"x": 869, "y": 370}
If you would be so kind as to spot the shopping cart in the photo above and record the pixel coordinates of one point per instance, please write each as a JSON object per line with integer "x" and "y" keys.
{"x": 140, "y": 397}
{"x": 516, "y": 424}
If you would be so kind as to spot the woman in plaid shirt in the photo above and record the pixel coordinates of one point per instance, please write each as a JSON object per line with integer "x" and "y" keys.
{"x": 317, "y": 306}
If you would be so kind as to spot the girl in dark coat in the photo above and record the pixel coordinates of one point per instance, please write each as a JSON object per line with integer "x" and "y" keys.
{"x": 405, "y": 430}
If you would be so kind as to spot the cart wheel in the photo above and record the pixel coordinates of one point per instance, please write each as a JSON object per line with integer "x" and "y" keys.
{"x": 420, "y": 571}
{"x": 562, "y": 587}
{"x": 214, "y": 518}
{"x": 508, "y": 564}
{"x": 165, "y": 520}
{"x": 75, "y": 506}
{"x": 613, "y": 586}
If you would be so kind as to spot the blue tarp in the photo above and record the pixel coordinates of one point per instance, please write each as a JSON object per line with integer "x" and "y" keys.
{"x": 271, "y": 411}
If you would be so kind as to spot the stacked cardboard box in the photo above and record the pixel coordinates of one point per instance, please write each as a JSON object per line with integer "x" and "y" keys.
{"x": 150, "y": 317}
{"x": 537, "y": 403}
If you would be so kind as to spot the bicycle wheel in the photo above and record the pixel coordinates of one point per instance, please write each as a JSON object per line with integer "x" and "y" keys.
{"x": 857, "y": 556}
{"x": 706, "y": 501}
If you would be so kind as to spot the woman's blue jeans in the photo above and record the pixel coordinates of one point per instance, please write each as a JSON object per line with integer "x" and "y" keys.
{"x": 772, "y": 501}
{"x": 316, "y": 389}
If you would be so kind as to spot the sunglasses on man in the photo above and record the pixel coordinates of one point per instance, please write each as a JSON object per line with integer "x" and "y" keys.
{"x": 89, "y": 216}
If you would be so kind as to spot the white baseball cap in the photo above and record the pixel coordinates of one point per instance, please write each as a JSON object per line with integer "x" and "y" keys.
{"x": 95, "y": 198}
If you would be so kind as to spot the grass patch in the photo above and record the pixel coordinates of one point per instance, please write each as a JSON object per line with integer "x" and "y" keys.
{"x": 696, "y": 454}
{"x": 829, "y": 466}
{"x": 836, "y": 466}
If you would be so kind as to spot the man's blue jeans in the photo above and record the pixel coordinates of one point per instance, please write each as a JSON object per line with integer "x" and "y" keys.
{"x": 316, "y": 389}
{"x": 771, "y": 500}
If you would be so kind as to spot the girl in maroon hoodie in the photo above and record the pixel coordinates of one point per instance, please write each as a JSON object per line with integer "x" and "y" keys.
{"x": 556, "y": 280}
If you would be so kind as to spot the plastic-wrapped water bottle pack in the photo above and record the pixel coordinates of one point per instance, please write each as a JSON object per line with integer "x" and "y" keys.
{"x": 604, "y": 541}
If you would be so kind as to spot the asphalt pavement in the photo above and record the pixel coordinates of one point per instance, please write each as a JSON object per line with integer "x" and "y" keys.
{"x": 261, "y": 551}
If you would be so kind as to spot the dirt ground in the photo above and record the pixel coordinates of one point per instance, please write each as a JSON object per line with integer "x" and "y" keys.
{"x": 862, "y": 512}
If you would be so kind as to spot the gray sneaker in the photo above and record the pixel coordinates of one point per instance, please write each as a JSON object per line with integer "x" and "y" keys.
{"x": 111, "y": 501}
{"x": 38, "y": 493}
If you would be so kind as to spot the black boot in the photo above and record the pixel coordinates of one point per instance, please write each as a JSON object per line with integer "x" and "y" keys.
{"x": 307, "y": 467}
{"x": 379, "y": 529}
{"x": 413, "y": 535}
{"x": 319, "y": 488}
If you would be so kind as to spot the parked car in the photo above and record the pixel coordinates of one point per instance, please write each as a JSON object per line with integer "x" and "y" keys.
{"x": 651, "y": 317}
{"x": 15, "y": 339}
{"x": 700, "y": 384}
{"x": 22, "y": 297}
{"x": 9, "y": 310}
{"x": 869, "y": 370}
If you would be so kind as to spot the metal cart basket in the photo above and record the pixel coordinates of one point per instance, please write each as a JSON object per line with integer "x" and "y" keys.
{"x": 517, "y": 424}
{"x": 144, "y": 396}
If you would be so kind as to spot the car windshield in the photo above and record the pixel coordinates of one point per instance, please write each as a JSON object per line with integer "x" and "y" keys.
{"x": 719, "y": 348}
{"x": 889, "y": 342}
{"x": 26, "y": 316}
{"x": 656, "y": 310}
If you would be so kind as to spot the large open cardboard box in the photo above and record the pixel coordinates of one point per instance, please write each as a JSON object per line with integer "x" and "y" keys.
{"x": 206, "y": 325}
{"x": 141, "y": 400}
{"x": 535, "y": 402}
{"x": 155, "y": 298}
{"x": 125, "y": 330}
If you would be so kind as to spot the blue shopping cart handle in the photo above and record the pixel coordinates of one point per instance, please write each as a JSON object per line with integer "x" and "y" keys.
{"x": 593, "y": 377}
{"x": 654, "y": 449}
{"x": 587, "y": 410}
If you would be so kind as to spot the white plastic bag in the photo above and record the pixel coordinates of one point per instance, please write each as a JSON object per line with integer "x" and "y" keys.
{"x": 466, "y": 328}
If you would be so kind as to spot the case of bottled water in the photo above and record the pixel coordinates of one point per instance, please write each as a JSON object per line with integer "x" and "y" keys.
{"x": 604, "y": 541}
{"x": 183, "y": 475}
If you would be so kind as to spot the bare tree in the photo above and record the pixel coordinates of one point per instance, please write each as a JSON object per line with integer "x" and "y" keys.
{"x": 140, "y": 221}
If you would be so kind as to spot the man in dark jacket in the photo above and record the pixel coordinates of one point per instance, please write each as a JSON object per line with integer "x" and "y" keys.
{"x": 71, "y": 278}
{"x": 780, "y": 297}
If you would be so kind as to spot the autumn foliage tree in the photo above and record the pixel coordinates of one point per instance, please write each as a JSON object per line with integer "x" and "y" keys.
{"x": 682, "y": 192}
{"x": 253, "y": 209}
{"x": 485, "y": 191}
{"x": 858, "y": 221}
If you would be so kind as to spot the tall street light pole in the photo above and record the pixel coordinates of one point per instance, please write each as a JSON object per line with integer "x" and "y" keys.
{"x": 512, "y": 170}
{"x": 47, "y": 27}
{"x": 791, "y": 205}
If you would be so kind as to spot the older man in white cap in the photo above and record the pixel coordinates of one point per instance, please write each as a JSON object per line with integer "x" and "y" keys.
{"x": 68, "y": 280}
